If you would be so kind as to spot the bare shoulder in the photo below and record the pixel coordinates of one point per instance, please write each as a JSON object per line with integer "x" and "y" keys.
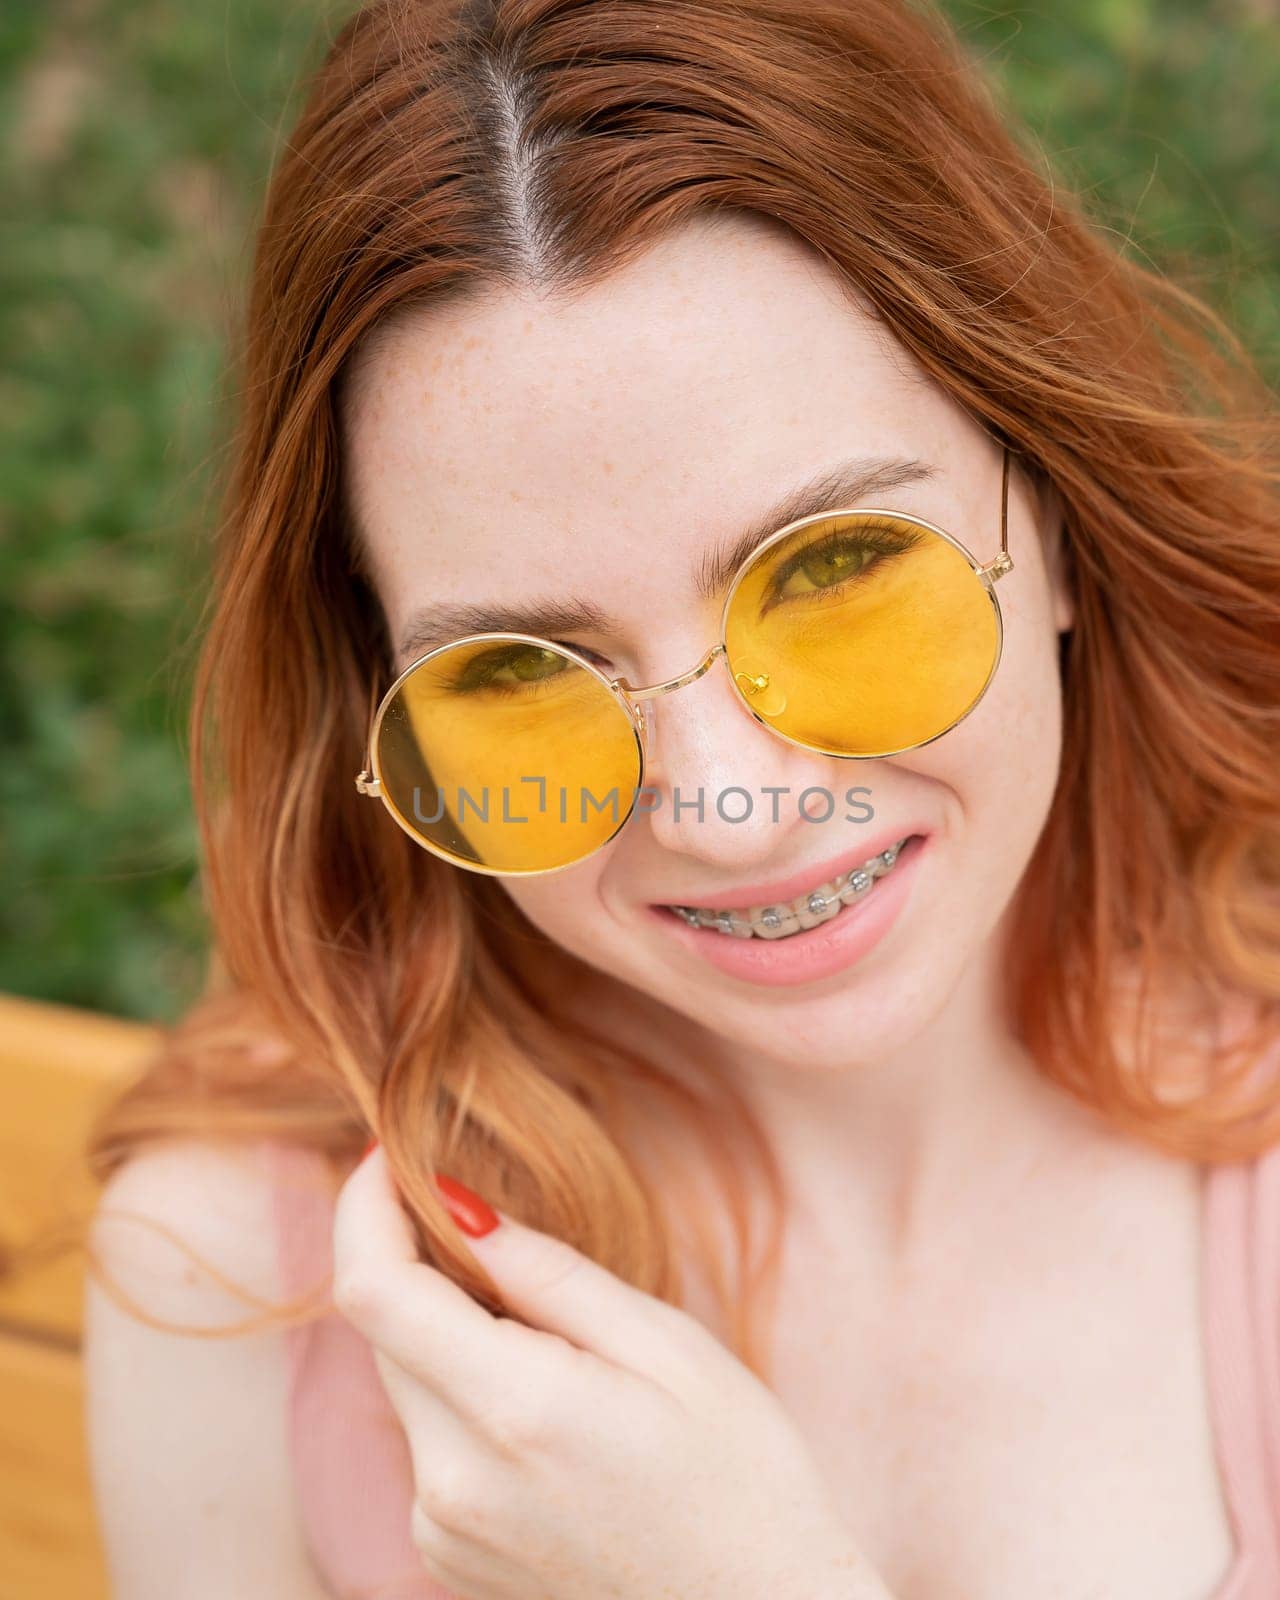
{"x": 187, "y": 1430}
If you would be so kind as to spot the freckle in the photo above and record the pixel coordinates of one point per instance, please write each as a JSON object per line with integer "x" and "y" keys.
{"x": 608, "y": 466}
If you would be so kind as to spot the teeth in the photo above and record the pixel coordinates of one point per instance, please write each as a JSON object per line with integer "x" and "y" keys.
{"x": 820, "y": 905}
{"x": 858, "y": 884}
{"x": 808, "y": 910}
{"x": 773, "y": 922}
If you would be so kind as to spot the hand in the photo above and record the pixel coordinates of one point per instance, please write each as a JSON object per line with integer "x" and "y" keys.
{"x": 614, "y": 1449}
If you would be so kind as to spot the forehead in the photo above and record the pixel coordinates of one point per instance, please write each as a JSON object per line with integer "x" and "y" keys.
{"x": 512, "y": 441}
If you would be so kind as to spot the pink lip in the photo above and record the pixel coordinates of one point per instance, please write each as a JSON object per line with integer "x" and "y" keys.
{"x": 821, "y": 952}
{"x": 779, "y": 889}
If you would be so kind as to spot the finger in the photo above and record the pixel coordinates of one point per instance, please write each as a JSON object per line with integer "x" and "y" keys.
{"x": 548, "y": 1283}
{"x": 434, "y": 1428}
{"x": 415, "y": 1314}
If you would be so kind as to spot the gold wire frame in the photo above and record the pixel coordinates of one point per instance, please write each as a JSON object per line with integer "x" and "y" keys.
{"x": 630, "y": 697}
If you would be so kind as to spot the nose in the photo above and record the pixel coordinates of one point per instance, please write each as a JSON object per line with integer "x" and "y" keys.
{"x": 720, "y": 787}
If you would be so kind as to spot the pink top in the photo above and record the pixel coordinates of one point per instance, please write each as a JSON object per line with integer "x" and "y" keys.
{"x": 352, "y": 1468}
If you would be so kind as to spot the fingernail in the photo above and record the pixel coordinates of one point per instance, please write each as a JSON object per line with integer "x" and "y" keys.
{"x": 473, "y": 1215}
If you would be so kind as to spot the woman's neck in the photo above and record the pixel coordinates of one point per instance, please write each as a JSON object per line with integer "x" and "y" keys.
{"x": 958, "y": 1115}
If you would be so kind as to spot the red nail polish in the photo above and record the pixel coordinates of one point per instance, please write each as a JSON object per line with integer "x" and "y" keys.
{"x": 468, "y": 1210}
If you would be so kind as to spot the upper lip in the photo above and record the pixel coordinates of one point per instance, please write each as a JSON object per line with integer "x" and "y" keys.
{"x": 777, "y": 890}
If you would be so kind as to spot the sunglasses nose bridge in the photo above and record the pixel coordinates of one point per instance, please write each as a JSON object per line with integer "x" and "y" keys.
{"x": 669, "y": 685}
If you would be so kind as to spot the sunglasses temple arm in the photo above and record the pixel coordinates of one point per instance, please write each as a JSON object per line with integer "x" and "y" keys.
{"x": 1003, "y": 562}
{"x": 366, "y": 783}
{"x": 1004, "y": 504}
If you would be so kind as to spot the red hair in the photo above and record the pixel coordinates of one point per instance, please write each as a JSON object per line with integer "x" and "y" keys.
{"x": 359, "y": 982}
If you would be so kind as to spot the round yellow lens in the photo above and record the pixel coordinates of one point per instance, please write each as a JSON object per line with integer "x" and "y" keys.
{"x": 862, "y": 634}
{"x": 508, "y": 755}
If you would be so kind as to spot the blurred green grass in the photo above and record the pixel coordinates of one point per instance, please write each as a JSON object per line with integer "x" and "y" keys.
{"x": 137, "y": 138}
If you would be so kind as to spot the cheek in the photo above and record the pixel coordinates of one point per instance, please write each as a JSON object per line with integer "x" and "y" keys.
{"x": 565, "y": 906}
{"x": 1020, "y": 737}
{"x": 1028, "y": 679}
{"x": 1002, "y": 761}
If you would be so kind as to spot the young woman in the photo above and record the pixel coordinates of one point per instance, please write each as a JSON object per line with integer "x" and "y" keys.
{"x": 737, "y": 741}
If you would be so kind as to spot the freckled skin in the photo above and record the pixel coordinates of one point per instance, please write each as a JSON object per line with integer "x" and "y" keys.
{"x": 1004, "y": 1391}
{"x": 600, "y": 445}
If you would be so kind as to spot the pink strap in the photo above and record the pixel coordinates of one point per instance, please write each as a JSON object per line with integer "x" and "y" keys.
{"x": 353, "y": 1473}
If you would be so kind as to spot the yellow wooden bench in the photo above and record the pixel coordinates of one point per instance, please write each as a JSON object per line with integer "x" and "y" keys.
{"x": 57, "y": 1066}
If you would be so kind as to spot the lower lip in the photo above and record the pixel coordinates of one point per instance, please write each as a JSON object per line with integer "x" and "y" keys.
{"x": 817, "y": 953}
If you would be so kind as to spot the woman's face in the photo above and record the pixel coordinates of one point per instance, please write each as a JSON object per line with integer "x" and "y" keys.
{"x": 604, "y": 448}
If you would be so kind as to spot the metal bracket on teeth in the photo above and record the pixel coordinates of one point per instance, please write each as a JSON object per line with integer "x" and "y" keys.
{"x": 859, "y": 879}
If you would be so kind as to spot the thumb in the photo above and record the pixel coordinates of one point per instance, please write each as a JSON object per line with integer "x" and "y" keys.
{"x": 558, "y": 1289}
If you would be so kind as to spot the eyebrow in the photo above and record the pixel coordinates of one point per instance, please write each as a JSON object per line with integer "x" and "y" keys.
{"x": 841, "y": 486}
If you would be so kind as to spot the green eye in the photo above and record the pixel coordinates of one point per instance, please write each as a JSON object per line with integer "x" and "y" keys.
{"x": 840, "y": 557}
{"x": 532, "y": 665}
{"x": 520, "y": 663}
{"x": 825, "y": 567}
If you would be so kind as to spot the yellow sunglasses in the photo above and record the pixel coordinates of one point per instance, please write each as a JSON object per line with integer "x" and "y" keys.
{"x": 856, "y": 633}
